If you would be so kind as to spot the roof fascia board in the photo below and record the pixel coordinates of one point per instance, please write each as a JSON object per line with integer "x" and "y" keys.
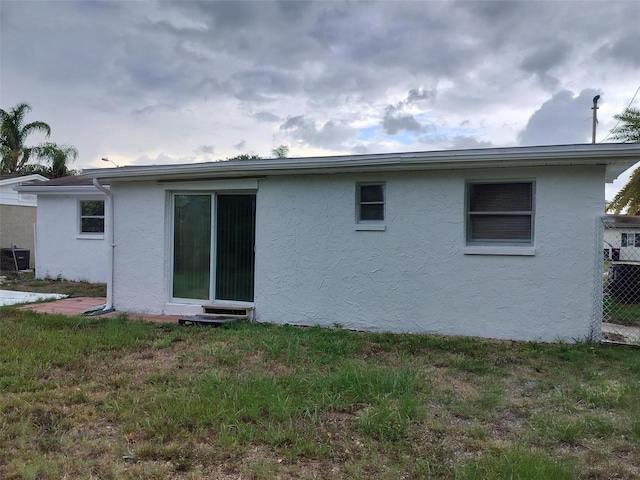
{"x": 59, "y": 189}
{"x": 620, "y": 155}
{"x": 26, "y": 178}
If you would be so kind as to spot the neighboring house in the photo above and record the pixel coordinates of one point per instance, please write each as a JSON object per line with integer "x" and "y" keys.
{"x": 70, "y": 229}
{"x": 467, "y": 242}
{"x": 622, "y": 238}
{"x": 18, "y": 213}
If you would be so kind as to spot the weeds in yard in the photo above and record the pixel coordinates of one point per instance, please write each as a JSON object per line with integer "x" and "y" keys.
{"x": 621, "y": 313}
{"x": 27, "y": 283}
{"x": 265, "y": 401}
{"x": 519, "y": 463}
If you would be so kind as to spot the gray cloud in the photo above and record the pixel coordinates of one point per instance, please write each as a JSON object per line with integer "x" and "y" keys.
{"x": 266, "y": 117}
{"x": 360, "y": 150}
{"x": 626, "y": 48}
{"x": 418, "y": 95}
{"x": 151, "y": 109}
{"x": 172, "y": 76}
{"x": 394, "y": 120}
{"x": 161, "y": 159}
{"x": 544, "y": 59}
{"x": 333, "y": 134}
{"x": 568, "y": 113}
{"x": 205, "y": 149}
{"x": 263, "y": 84}
{"x": 463, "y": 141}
{"x": 240, "y": 145}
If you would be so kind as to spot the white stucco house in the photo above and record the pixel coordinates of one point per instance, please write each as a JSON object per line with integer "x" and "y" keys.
{"x": 70, "y": 229}
{"x": 467, "y": 242}
{"x": 622, "y": 238}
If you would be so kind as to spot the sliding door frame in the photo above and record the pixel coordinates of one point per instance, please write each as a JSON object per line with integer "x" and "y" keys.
{"x": 213, "y": 245}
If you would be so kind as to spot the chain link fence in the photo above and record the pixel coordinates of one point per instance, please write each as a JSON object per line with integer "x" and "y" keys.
{"x": 621, "y": 279}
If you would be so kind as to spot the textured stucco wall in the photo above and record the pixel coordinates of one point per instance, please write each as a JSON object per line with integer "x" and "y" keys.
{"x": 313, "y": 267}
{"x": 61, "y": 250}
{"x": 16, "y": 228}
{"x": 141, "y": 281}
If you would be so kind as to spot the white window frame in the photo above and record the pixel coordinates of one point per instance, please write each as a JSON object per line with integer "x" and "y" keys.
{"x": 375, "y": 224}
{"x": 499, "y": 246}
{"x": 91, "y": 235}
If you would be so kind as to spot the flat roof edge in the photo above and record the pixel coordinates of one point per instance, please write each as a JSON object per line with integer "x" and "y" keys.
{"x": 583, "y": 154}
{"x": 59, "y": 189}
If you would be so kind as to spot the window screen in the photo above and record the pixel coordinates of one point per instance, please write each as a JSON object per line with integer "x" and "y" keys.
{"x": 370, "y": 202}
{"x": 500, "y": 213}
{"x": 92, "y": 216}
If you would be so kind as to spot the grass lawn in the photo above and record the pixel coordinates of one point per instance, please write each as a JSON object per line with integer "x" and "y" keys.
{"x": 260, "y": 401}
{"x": 621, "y": 313}
{"x": 26, "y": 282}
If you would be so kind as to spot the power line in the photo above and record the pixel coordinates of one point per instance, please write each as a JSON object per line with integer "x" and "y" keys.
{"x": 618, "y": 122}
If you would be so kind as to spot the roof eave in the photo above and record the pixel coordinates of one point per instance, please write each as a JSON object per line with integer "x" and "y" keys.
{"x": 617, "y": 158}
{"x": 59, "y": 189}
{"x": 34, "y": 177}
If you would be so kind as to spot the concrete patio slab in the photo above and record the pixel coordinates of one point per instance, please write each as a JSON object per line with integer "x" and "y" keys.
{"x": 79, "y": 305}
{"x": 10, "y": 297}
{"x": 621, "y": 334}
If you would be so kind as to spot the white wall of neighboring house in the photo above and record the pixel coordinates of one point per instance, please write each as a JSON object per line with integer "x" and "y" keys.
{"x": 62, "y": 250}
{"x": 313, "y": 267}
{"x": 613, "y": 240}
{"x": 18, "y": 214}
{"x": 8, "y": 196}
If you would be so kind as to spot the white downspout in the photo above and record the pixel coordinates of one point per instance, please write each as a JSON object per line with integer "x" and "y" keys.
{"x": 111, "y": 243}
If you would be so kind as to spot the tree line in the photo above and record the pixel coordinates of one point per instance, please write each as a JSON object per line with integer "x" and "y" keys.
{"x": 52, "y": 160}
{"x": 48, "y": 159}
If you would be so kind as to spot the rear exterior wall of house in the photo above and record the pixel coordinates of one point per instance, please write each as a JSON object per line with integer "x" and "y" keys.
{"x": 412, "y": 272}
{"x": 63, "y": 250}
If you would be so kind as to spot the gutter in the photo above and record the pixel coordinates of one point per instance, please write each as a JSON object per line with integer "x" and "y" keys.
{"x": 55, "y": 189}
{"x": 617, "y": 158}
{"x": 111, "y": 242}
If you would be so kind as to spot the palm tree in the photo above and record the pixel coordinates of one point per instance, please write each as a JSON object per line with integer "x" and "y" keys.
{"x": 628, "y": 197}
{"x": 629, "y": 131}
{"x": 58, "y": 157}
{"x": 13, "y": 135}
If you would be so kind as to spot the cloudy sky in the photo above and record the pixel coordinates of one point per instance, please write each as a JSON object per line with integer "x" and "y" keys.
{"x": 146, "y": 82}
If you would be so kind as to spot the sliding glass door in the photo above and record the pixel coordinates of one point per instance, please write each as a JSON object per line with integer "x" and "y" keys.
{"x": 192, "y": 246}
{"x": 232, "y": 272}
{"x": 234, "y": 247}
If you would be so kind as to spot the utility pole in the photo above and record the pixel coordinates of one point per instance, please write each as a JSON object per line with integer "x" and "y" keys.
{"x": 595, "y": 118}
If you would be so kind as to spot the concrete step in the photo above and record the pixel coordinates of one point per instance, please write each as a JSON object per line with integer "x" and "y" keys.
{"x": 240, "y": 312}
{"x": 206, "y": 320}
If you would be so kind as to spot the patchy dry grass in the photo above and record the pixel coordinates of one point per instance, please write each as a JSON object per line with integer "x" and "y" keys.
{"x": 26, "y": 282}
{"x": 260, "y": 401}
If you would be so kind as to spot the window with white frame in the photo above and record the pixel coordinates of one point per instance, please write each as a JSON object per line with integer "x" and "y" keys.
{"x": 500, "y": 213}
{"x": 630, "y": 240}
{"x": 91, "y": 216}
{"x": 370, "y": 202}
